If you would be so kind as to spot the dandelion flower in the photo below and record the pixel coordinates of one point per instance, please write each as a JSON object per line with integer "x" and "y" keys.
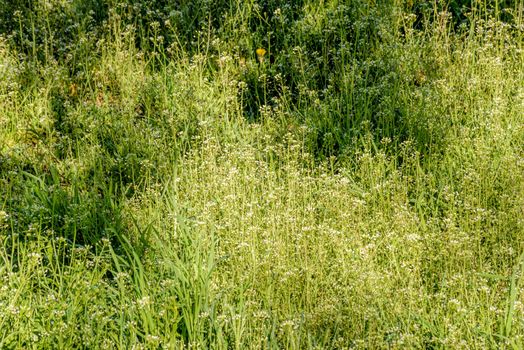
{"x": 260, "y": 54}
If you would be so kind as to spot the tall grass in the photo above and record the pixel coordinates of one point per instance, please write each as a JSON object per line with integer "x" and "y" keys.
{"x": 360, "y": 185}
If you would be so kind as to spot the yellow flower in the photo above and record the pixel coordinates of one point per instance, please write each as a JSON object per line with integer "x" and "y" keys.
{"x": 260, "y": 54}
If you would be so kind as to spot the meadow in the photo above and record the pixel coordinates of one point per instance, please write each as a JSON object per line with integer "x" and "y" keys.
{"x": 262, "y": 174}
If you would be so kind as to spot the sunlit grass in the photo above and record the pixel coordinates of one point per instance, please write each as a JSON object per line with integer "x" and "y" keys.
{"x": 287, "y": 175}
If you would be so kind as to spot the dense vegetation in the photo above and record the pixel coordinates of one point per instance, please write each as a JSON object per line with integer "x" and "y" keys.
{"x": 261, "y": 174}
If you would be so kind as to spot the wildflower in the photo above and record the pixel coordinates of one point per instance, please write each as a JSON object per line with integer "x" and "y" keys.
{"x": 242, "y": 62}
{"x": 3, "y": 218}
{"x": 36, "y": 257}
{"x": 260, "y": 54}
{"x": 152, "y": 339}
{"x": 144, "y": 302}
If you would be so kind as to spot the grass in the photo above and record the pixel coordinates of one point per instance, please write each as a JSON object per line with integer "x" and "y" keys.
{"x": 357, "y": 184}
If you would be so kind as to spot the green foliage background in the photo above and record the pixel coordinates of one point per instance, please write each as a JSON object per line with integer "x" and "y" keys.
{"x": 361, "y": 185}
